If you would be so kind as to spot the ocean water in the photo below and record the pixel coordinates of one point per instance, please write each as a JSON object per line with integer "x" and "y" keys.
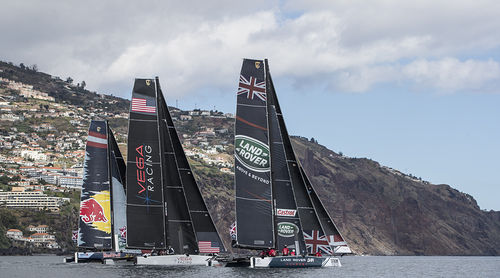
{"x": 352, "y": 266}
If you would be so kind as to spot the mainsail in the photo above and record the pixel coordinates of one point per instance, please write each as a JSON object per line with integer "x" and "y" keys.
{"x": 295, "y": 214}
{"x": 102, "y": 206}
{"x": 178, "y": 217}
{"x": 254, "y": 207}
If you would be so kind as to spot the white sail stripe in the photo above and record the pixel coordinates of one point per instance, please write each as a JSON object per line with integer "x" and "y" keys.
{"x": 173, "y": 187}
{"x": 282, "y": 180}
{"x": 278, "y": 142}
{"x": 288, "y": 160}
{"x": 250, "y": 199}
{"x": 304, "y": 207}
{"x": 184, "y": 169}
{"x": 97, "y": 140}
{"x": 199, "y": 211}
{"x": 250, "y": 105}
{"x": 179, "y": 221}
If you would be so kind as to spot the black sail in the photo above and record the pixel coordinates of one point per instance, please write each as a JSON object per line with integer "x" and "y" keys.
{"x": 119, "y": 202}
{"x": 313, "y": 235}
{"x": 144, "y": 190}
{"x": 204, "y": 228}
{"x": 335, "y": 239}
{"x": 94, "y": 228}
{"x": 254, "y": 208}
{"x": 180, "y": 231}
{"x": 287, "y": 221}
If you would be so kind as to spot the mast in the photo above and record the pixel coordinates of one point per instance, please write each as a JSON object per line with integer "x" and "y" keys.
{"x": 94, "y": 227}
{"x": 253, "y": 190}
{"x": 110, "y": 179}
{"x": 287, "y": 222}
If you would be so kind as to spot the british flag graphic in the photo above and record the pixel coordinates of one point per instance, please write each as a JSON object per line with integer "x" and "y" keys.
{"x": 316, "y": 242}
{"x": 250, "y": 88}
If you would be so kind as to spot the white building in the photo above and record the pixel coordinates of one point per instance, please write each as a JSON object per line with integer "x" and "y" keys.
{"x": 14, "y": 234}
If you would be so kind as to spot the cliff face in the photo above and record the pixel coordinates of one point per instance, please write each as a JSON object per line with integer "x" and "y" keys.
{"x": 381, "y": 211}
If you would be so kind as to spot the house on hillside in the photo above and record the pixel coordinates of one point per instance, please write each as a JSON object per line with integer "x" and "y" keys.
{"x": 14, "y": 234}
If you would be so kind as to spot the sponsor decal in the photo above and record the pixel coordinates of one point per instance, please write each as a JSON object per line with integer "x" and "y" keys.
{"x": 184, "y": 260}
{"x": 144, "y": 165}
{"x": 287, "y": 229}
{"x": 252, "y": 153}
{"x": 91, "y": 211}
{"x": 286, "y": 212}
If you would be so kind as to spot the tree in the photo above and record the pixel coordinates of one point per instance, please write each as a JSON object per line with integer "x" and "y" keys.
{"x": 34, "y": 68}
{"x": 69, "y": 80}
{"x": 21, "y": 65}
{"x": 83, "y": 84}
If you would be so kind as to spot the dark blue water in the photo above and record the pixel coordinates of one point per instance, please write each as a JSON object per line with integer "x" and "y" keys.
{"x": 52, "y": 266}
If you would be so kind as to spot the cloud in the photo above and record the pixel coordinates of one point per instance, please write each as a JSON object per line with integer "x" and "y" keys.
{"x": 193, "y": 46}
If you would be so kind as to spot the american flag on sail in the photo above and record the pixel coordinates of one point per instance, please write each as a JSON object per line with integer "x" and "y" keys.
{"x": 206, "y": 247}
{"x": 145, "y": 105}
{"x": 315, "y": 243}
{"x": 252, "y": 88}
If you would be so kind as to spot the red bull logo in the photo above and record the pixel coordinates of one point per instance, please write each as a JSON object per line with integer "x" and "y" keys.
{"x": 91, "y": 211}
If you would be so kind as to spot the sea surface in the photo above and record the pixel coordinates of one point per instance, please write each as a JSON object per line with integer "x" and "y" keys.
{"x": 352, "y": 266}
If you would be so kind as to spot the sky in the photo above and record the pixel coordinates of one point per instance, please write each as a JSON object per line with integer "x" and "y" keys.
{"x": 412, "y": 85}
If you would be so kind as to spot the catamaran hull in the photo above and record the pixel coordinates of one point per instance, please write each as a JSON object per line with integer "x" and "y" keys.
{"x": 85, "y": 257}
{"x": 178, "y": 260}
{"x": 294, "y": 262}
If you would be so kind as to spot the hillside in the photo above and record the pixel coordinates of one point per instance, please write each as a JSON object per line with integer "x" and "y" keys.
{"x": 379, "y": 210}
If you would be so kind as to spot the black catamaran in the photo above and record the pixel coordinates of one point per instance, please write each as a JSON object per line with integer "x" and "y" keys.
{"x": 165, "y": 209}
{"x": 276, "y": 204}
{"x": 102, "y": 226}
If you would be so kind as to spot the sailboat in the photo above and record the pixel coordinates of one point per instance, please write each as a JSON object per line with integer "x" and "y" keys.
{"x": 276, "y": 204}
{"x": 166, "y": 213}
{"x": 102, "y": 225}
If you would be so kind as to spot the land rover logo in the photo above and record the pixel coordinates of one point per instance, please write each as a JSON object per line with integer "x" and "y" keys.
{"x": 286, "y": 229}
{"x": 252, "y": 153}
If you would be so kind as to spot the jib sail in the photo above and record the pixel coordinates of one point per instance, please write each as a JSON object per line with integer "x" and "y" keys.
{"x": 205, "y": 238}
{"x": 335, "y": 239}
{"x": 254, "y": 208}
{"x": 287, "y": 222}
{"x": 94, "y": 229}
{"x": 118, "y": 168}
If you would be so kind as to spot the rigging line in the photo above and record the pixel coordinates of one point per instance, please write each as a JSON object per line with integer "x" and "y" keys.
{"x": 249, "y": 123}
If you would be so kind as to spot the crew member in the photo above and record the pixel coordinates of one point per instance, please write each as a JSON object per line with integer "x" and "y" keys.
{"x": 272, "y": 253}
{"x": 170, "y": 250}
{"x": 285, "y": 251}
{"x": 318, "y": 254}
{"x": 292, "y": 253}
{"x": 264, "y": 253}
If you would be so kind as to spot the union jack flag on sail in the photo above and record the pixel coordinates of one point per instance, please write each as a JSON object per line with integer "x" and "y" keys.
{"x": 252, "y": 88}
{"x": 316, "y": 242}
